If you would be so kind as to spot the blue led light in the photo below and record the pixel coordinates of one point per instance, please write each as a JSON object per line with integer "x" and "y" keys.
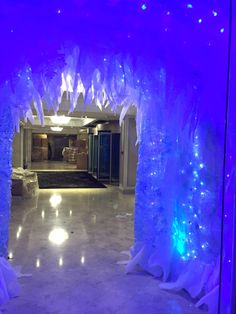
{"x": 200, "y": 21}
{"x": 214, "y": 13}
{"x": 189, "y": 6}
{"x": 195, "y": 173}
{"x": 222, "y": 30}
{"x": 179, "y": 237}
{"x": 144, "y": 7}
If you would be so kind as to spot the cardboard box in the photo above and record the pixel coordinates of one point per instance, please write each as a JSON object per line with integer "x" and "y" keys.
{"x": 73, "y": 155}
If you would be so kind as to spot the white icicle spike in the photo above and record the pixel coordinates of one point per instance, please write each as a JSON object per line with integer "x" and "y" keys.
{"x": 124, "y": 112}
{"x": 38, "y": 105}
{"x": 98, "y": 103}
{"x": 29, "y": 116}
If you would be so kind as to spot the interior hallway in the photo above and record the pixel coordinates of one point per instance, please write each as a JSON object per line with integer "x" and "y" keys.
{"x": 81, "y": 275}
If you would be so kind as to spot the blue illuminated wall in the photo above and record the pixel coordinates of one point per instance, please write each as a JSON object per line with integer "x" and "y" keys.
{"x": 169, "y": 59}
{"x": 228, "y": 274}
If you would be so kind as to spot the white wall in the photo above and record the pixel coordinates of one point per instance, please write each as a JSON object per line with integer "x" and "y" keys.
{"x": 27, "y": 147}
{"x": 17, "y": 149}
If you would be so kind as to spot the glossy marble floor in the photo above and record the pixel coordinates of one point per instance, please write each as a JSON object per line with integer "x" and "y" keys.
{"x": 52, "y": 165}
{"x": 69, "y": 243}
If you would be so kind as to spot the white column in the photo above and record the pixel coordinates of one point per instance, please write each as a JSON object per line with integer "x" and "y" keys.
{"x": 27, "y": 147}
{"x": 18, "y": 149}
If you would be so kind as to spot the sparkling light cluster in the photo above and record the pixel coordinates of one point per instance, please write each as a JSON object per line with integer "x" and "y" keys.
{"x": 193, "y": 240}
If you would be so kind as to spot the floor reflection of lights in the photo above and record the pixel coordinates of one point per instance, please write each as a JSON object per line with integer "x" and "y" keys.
{"x": 73, "y": 253}
{"x": 58, "y": 236}
{"x": 55, "y": 200}
{"x": 43, "y": 214}
{"x": 61, "y": 262}
{"x": 18, "y": 232}
{"x": 38, "y": 263}
{"x": 82, "y": 260}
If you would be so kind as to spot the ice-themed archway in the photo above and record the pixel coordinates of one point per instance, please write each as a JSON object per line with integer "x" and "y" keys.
{"x": 171, "y": 61}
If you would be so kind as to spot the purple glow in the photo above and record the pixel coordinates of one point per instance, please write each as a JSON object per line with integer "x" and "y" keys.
{"x": 170, "y": 60}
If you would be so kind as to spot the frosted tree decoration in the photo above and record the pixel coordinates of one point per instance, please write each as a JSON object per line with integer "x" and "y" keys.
{"x": 177, "y": 200}
{"x": 6, "y": 138}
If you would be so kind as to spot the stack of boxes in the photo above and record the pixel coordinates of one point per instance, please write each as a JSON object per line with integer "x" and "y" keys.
{"x": 24, "y": 183}
{"x": 72, "y": 155}
{"x": 40, "y": 147}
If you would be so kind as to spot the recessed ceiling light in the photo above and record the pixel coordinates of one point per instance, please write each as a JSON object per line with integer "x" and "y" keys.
{"x": 56, "y": 128}
{"x": 60, "y": 119}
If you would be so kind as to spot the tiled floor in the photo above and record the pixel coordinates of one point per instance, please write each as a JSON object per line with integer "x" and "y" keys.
{"x": 70, "y": 242}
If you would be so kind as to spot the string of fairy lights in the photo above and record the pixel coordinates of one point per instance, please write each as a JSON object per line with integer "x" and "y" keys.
{"x": 188, "y": 234}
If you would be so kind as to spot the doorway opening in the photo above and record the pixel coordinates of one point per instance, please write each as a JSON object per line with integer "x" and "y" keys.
{"x": 91, "y": 143}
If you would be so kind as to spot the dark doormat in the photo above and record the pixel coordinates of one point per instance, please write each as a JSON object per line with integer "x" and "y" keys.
{"x": 67, "y": 179}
